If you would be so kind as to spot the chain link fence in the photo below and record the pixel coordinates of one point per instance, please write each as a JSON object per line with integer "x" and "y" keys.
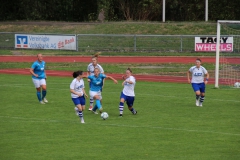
{"x": 123, "y": 43}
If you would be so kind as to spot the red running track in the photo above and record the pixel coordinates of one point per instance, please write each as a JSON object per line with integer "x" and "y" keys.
{"x": 152, "y": 78}
{"x": 117, "y": 59}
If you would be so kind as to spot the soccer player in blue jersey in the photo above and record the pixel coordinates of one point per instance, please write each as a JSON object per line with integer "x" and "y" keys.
{"x": 198, "y": 84}
{"x": 90, "y": 72}
{"x": 39, "y": 78}
{"x": 96, "y": 86}
{"x": 127, "y": 94}
{"x": 78, "y": 93}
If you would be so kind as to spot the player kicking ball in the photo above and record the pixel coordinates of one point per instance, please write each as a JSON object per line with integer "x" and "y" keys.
{"x": 198, "y": 84}
{"x": 127, "y": 94}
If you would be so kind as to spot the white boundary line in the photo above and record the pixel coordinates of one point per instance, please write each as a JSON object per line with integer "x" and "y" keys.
{"x": 117, "y": 125}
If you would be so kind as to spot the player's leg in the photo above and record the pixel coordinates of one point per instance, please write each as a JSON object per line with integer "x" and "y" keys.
{"x": 130, "y": 101}
{"x": 202, "y": 97}
{"x": 121, "y": 104}
{"x": 44, "y": 90}
{"x": 36, "y": 83}
{"x": 91, "y": 101}
{"x": 78, "y": 108}
{"x": 82, "y": 102}
{"x": 97, "y": 98}
{"x": 196, "y": 89}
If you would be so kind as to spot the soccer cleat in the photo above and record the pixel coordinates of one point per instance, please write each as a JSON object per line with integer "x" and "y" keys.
{"x": 101, "y": 110}
{"x": 120, "y": 115}
{"x": 200, "y": 104}
{"x": 45, "y": 100}
{"x": 76, "y": 110}
{"x": 41, "y": 102}
{"x": 135, "y": 112}
{"x": 197, "y": 102}
{"x": 82, "y": 121}
{"x": 90, "y": 108}
{"x": 94, "y": 112}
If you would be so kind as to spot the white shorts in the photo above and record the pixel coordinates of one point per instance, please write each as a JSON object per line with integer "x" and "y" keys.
{"x": 93, "y": 93}
{"x": 38, "y": 82}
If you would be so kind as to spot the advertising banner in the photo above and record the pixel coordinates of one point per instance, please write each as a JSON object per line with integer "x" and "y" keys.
{"x": 208, "y": 44}
{"x": 58, "y": 42}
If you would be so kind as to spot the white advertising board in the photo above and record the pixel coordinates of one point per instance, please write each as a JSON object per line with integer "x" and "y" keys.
{"x": 208, "y": 44}
{"x": 58, "y": 42}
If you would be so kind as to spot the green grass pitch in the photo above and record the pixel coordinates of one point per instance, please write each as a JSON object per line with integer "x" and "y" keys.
{"x": 168, "y": 124}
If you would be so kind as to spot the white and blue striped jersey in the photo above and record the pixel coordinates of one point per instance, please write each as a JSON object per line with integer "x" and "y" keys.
{"x": 198, "y": 74}
{"x": 128, "y": 89}
{"x": 91, "y": 68}
{"x": 77, "y": 86}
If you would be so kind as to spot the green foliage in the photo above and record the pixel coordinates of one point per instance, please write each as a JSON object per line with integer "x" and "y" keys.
{"x": 117, "y": 10}
{"x": 168, "y": 124}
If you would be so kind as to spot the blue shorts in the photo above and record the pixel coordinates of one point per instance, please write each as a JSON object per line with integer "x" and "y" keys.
{"x": 79, "y": 100}
{"x": 198, "y": 87}
{"x": 128, "y": 99}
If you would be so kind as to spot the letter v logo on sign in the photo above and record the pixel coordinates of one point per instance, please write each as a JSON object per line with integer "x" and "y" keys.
{"x": 22, "y": 42}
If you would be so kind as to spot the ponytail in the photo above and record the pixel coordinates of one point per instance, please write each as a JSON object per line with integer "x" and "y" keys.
{"x": 76, "y": 74}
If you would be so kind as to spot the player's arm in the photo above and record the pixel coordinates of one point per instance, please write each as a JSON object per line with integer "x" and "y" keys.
{"x": 32, "y": 72}
{"x": 88, "y": 73}
{"x": 128, "y": 81}
{"x": 103, "y": 81}
{"x": 188, "y": 76}
{"x": 207, "y": 77}
{"x": 45, "y": 73}
{"x": 114, "y": 80}
{"x": 84, "y": 93}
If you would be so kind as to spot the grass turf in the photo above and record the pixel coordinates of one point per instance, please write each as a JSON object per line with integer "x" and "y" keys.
{"x": 151, "y": 68}
{"x": 168, "y": 124}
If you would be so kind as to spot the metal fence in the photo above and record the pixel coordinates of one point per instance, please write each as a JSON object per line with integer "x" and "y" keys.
{"x": 125, "y": 43}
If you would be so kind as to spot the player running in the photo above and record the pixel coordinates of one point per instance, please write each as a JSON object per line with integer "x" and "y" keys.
{"x": 90, "y": 72}
{"x": 39, "y": 78}
{"x": 128, "y": 95}
{"x": 96, "y": 86}
{"x": 198, "y": 84}
{"x": 78, "y": 93}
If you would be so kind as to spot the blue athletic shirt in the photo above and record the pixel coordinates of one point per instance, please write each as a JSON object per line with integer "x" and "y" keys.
{"x": 38, "y": 68}
{"x": 96, "y": 82}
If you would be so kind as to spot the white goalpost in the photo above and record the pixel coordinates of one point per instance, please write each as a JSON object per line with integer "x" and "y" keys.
{"x": 227, "y": 73}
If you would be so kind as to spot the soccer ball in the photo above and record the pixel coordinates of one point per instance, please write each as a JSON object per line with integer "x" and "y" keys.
{"x": 104, "y": 115}
{"x": 237, "y": 85}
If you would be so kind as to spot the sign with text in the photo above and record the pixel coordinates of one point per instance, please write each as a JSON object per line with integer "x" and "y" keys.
{"x": 208, "y": 44}
{"x": 58, "y": 42}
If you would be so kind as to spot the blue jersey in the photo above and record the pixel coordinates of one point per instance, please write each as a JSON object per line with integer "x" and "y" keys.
{"x": 96, "y": 82}
{"x": 38, "y": 68}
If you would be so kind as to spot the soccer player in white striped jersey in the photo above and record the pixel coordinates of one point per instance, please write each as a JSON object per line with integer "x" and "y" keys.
{"x": 78, "y": 94}
{"x": 127, "y": 94}
{"x": 90, "y": 72}
{"x": 198, "y": 84}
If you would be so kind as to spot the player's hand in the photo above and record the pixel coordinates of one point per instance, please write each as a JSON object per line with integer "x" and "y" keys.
{"x": 115, "y": 81}
{"x": 206, "y": 82}
{"x": 36, "y": 75}
{"x": 79, "y": 94}
{"x": 86, "y": 95}
{"x": 88, "y": 80}
{"x": 189, "y": 81}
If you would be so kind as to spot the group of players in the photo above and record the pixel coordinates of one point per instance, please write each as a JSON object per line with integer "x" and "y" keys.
{"x": 95, "y": 76}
